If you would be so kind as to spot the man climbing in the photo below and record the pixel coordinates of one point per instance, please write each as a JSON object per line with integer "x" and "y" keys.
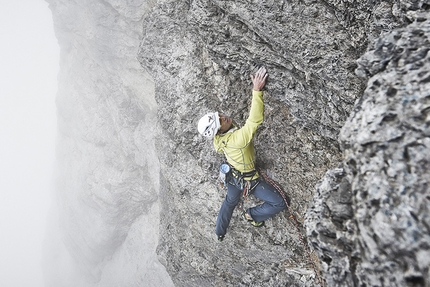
{"x": 238, "y": 148}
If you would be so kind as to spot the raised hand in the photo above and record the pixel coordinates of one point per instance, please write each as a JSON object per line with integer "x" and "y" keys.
{"x": 259, "y": 80}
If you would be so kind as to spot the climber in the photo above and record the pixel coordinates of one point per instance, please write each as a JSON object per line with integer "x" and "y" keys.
{"x": 238, "y": 148}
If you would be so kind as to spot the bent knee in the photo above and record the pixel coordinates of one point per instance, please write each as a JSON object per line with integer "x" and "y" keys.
{"x": 283, "y": 202}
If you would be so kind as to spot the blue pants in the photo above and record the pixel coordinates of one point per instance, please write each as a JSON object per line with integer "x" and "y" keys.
{"x": 273, "y": 203}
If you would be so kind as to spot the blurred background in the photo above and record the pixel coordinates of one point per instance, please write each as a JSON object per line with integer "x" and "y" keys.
{"x": 29, "y": 63}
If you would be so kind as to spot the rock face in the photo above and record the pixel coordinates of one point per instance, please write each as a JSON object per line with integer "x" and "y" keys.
{"x": 370, "y": 217}
{"x": 136, "y": 76}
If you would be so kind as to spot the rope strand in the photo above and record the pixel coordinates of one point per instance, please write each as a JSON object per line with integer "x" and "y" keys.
{"x": 292, "y": 216}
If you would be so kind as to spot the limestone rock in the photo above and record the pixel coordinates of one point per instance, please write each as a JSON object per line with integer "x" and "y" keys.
{"x": 136, "y": 76}
{"x": 369, "y": 220}
{"x": 200, "y": 54}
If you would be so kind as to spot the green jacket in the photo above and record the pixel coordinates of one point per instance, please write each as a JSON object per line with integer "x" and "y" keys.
{"x": 236, "y": 144}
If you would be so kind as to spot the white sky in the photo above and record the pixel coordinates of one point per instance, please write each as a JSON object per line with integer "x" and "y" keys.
{"x": 29, "y": 57}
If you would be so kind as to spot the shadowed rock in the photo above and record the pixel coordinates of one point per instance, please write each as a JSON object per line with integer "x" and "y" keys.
{"x": 380, "y": 228}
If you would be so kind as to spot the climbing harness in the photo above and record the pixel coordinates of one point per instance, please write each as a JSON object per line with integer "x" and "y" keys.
{"x": 296, "y": 223}
{"x": 243, "y": 175}
{"x": 229, "y": 173}
{"x": 246, "y": 185}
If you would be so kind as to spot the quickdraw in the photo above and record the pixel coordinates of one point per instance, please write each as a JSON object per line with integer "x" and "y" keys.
{"x": 248, "y": 188}
{"x": 246, "y": 191}
{"x": 296, "y": 223}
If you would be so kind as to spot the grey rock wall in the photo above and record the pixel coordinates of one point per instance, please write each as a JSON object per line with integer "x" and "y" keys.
{"x": 200, "y": 54}
{"x": 370, "y": 217}
{"x": 134, "y": 174}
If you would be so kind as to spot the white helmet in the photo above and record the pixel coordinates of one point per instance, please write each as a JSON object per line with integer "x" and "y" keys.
{"x": 209, "y": 125}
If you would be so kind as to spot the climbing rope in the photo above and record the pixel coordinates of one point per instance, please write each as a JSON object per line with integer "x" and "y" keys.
{"x": 296, "y": 223}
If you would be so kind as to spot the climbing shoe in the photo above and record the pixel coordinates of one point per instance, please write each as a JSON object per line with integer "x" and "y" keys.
{"x": 251, "y": 221}
{"x": 220, "y": 238}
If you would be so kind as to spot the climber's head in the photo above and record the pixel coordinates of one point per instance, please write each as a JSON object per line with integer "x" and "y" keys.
{"x": 212, "y": 123}
{"x": 209, "y": 125}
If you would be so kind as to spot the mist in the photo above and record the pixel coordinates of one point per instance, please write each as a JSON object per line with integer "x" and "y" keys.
{"x": 29, "y": 60}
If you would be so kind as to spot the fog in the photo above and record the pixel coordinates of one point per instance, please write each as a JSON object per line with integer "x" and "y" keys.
{"x": 29, "y": 60}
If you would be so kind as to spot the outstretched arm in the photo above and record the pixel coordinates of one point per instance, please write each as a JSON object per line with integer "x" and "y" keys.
{"x": 259, "y": 80}
{"x": 256, "y": 115}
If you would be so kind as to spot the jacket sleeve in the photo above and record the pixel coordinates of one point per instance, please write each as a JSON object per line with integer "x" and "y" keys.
{"x": 244, "y": 135}
{"x": 217, "y": 147}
